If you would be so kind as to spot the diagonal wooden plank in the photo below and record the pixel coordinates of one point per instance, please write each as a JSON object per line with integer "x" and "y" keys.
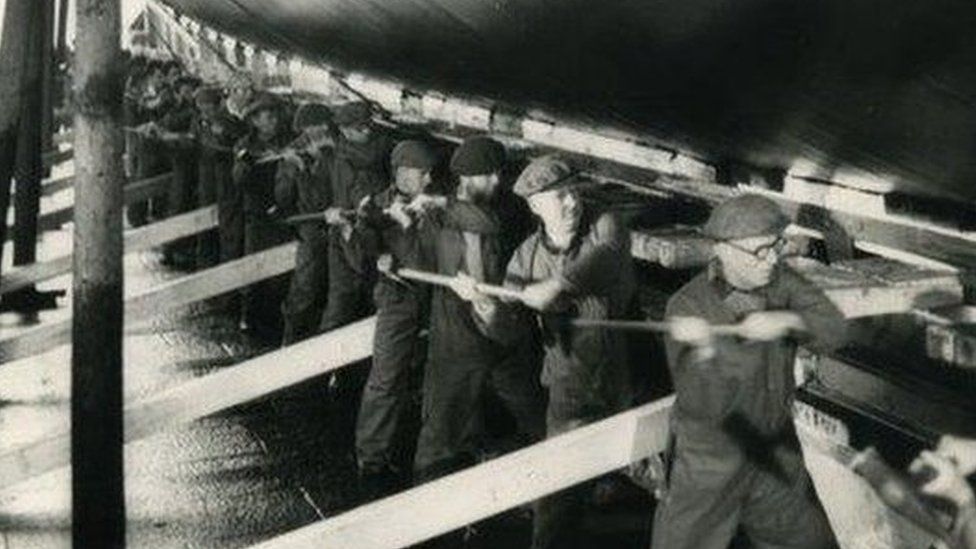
{"x": 52, "y": 158}
{"x": 134, "y": 192}
{"x": 177, "y": 293}
{"x": 485, "y": 490}
{"x": 134, "y": 240}
{"x": 206, "y": 395}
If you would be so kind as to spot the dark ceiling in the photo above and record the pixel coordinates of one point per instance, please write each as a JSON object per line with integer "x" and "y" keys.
{"x": 887, "y": 86}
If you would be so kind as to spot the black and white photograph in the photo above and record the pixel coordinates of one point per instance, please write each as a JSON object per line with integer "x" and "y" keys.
{"x": 488, "y": 274}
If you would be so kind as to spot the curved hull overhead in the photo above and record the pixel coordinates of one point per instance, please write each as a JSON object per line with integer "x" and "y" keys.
{"x": 887, "y": 87}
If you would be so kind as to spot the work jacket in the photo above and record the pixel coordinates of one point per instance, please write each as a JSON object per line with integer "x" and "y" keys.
{"x": 590, "y": 364}
{"x": 738, "y": 403}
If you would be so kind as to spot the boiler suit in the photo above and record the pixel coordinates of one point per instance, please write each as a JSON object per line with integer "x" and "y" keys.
{"x": 586, "y": 371}
{"x": 735, "y": 459}
{"x": 468, "y": 352}
{"x": 402, "y": 309}
{"x": 216, "y": 136}
{"x": 302, "y": 187}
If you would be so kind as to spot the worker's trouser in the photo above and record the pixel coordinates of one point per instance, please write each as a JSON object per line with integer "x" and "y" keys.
{"x": 149, "y": 161}
{"x": 214, "y": 174}
{"x": 230, "y": 211}
{"x": 454, "y": 387}
{"x": 349, "y": 299}
{"x": 262, "y": 300}
{"x": 558, "y": 517}
{"x": 181, "y": 198}
{"x": 713, "y": 491}
{"x": 397, "y": 350}
{"x": 307, "y": 291}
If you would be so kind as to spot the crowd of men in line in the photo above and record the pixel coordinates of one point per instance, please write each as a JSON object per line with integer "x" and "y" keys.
{"x": 368, "y": 210}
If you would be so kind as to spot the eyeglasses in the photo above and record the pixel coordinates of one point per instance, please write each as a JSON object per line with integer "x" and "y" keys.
{"x": 762, "y": 253}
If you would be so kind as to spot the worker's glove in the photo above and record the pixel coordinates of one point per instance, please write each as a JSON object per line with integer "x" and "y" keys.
{"x": 542, "y": 296}
{"x": 961, "y": 451}
{"x": 398, "y": 212}
{"x": 386, "y": 264}
{"x": 465, "y": 287}
{"x": 769, "y": 325}
{"x": 426, "y": 202}
{"x": 336, "y": 216}
{"x": 945, "y": 480}
{"x": 695, "y": 332}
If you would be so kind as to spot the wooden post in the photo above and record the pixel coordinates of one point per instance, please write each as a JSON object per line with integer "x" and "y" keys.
{"x": 62, "y": 45}
{"x": 13, "y": 58}
{"x": 98, "y": 497}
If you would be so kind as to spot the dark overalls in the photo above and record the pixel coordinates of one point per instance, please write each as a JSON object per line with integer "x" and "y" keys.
{"x": 467, "y": 352}
{"x": 735, "y": 459}
{"x": 150, "y": 159}
{"x": 586, "y": 371}
{"x": 358, "y": 170}
{"x": 181, "y": 193}
{"x": 262, "y": 300}
{"x": 302, "y": 187}
{"x": 402, "y": 311}
{"x": 216, "y": 136}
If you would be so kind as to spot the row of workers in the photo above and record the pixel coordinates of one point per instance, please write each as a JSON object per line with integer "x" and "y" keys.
{"x": 367, "y": 213}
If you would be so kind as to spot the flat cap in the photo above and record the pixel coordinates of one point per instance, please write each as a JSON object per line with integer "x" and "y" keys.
{"x": 543, "y": 174}
{"x": 353, "y": 113}
{"x": 745, "y": 216}
{"x": 312, "y": 114}
{"x": 478, "y": 156}
{"x": 207, "y": 95}
{"x": 261, "y": 102}
{"x": 413, "y": 154}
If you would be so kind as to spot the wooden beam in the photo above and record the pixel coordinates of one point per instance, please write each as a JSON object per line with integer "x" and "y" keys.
{"x": 134, "y": 240}
{"x": 54, "y": 186}
{"x": 53, "y": 158}
{"x": 207, "y": 395}
{"x": 485, "y": 490}
{"x": 134, "y": 192}
{"x": 168, "y": 296}
{"x": 98, "y": 517}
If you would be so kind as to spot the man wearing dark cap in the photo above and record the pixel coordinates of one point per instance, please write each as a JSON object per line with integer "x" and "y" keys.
{"x": 391, "y": 231}
{"x": 302, "y": 186}
{"x": 469, "y": 349}
{"x": 578, "y": 262}
{"x": 217, "y": 132}
{"x": 734, "y": 457}
{"x": 254, "y": 174}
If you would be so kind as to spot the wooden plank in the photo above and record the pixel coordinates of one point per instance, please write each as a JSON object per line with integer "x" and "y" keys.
{"x": 57, "y": 185}
{"x": 53, "y": 158}
{"x": 182, "y": 291}
{"x": 134, "y": 192}
{"x": 482, "y": 491}
{"x": 206, "y": 395}
{"x": 135, "y": 240}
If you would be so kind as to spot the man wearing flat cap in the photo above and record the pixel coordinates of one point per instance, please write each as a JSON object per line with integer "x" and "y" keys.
{"x": 390, "y": 230}
{"x": 469, "y": 349}
{"x": 303, "y": 186}
{"x": 217, "y": 132}
{"x": 255, "y": 166}
{"x": 577, "y": 262}
{"x": 734, "y": 460}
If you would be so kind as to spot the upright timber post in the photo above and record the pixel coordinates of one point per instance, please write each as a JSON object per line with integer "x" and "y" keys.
{"x": 98, "y": 496}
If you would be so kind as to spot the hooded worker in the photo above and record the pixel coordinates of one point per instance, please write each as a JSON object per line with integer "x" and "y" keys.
{"x": 734, "y": 457}
{"x": 303, "y": 186}
{"x": 390, "y": 231}
{"x": 577, "y": 263}
{"x": 469, "y": 349}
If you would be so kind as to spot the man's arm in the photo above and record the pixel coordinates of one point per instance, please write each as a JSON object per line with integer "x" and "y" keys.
{"x": 825, "y": 328}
